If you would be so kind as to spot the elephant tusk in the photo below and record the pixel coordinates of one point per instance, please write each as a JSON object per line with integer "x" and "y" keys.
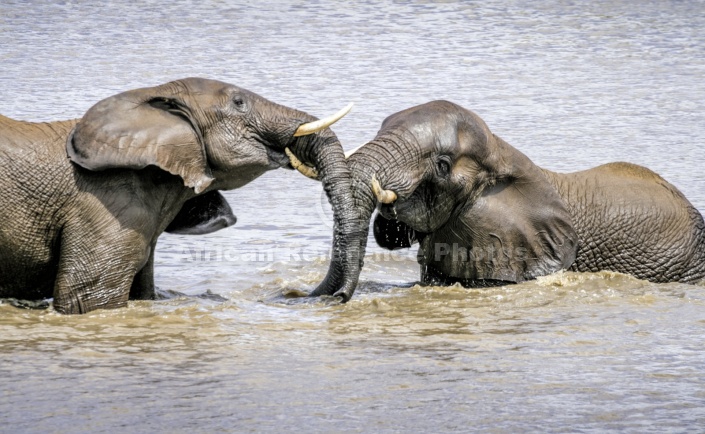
{"x": 383, "y": 196}
{"x": 316, "y": 126}
{"x": 307, "y": 171}
{"x": 352, "y": 151}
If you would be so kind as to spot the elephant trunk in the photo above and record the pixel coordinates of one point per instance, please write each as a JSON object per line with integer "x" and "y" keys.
{"x": 370, "y": 168}
{"x": 323, "y": 151}
{"x": 314, "y": 150}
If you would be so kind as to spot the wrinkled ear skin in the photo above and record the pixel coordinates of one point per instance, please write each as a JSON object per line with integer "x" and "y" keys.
{"x": 203, "y": 214}
{"x": 393, "y": 234}
{"x": 139, "y": 128}
{"x": 518, "y": 229}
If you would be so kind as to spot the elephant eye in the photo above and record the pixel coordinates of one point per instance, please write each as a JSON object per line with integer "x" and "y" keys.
{"x": 239, "y": 102}
{"x": 443, "y": 166}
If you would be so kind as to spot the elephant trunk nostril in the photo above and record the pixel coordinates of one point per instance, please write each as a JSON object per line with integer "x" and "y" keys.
{"x": 382, "y": 195}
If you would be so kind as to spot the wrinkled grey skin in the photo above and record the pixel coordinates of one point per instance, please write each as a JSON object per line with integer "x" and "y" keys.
{"x": 483, "y": 213}
{"x": 83, "y": 229}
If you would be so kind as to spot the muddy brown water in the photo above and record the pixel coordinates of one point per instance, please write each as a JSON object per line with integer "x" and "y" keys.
{"x": 572, "y": 85}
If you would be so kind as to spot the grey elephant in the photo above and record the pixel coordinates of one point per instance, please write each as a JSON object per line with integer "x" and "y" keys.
{"x": 83, "y": 229}
{"x": 484, "y": 214}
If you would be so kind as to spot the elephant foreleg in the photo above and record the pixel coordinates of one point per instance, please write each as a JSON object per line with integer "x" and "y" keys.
{"x": 143, "y": 283}
{"x": 97, "y": 272}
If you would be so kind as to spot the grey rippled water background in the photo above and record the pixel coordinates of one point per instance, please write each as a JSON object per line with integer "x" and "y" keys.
{"x": 571, "y": 84}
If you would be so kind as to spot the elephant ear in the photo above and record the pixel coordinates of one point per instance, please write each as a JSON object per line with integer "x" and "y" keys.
{"x": 203, "y": 214}
{"x": 518, "y": 228}
{"x": 393, "y": 234}
{"x": 138, "y": 128}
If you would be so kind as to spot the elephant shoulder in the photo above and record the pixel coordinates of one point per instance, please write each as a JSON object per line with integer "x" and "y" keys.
{"x": 630, "y": 181}
{"x": 34, "y": 135}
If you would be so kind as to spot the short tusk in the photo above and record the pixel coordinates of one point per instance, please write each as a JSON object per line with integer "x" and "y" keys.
{"x": 307, "y": 171}
{"x": 316, "y": 126}
{"x": 383, "y": 196}
{"x": 352, "y": 151}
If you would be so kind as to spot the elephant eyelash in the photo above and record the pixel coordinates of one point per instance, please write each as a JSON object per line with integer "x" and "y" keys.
{"x": 239, "y": 103}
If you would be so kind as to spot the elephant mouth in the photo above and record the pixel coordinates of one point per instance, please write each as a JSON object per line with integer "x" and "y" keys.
{"x": 278, "y": 159}
{"x": 388, "y": 211}
{"x": 411, "y": 211}
{"x": 288, "y": 160}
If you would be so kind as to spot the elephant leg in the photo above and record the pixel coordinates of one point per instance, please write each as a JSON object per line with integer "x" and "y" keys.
{"x": 432, "y": 277}
{"x": 143, "y": 284}
{"x": 96, "y": 272}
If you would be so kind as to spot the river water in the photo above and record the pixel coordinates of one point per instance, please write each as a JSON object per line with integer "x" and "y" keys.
{"x": 571, "y": 84}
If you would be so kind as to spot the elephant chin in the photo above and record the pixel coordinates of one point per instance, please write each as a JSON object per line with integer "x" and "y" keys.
{"x": 388, "y": 211}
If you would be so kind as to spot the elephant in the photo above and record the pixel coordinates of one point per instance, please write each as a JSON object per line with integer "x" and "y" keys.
{"x": 84, "y": 201}
{"x": 204, "y": 214}
{"x": 483, "y": 214}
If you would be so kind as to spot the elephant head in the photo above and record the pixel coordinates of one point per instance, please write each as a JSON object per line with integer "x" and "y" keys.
{"x": 480, "y": 208}
{"x": 216, "y": 136}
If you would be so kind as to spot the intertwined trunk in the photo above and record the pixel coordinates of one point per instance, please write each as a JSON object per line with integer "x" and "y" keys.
{"x": 326, "y": 154}
{"x": 323, "y": 151}
{"x": 374, "y": 159}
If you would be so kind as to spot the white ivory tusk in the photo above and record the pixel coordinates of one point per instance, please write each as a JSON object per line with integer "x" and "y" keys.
{"x": 383, "y": 196}
{"x": 307, "y": 171}
{"x": 316, "y": 126}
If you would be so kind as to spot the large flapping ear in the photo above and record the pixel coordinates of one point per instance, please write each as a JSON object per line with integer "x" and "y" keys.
{"x": 393, "y": 234}
{"x": 138, "y": 128}
{"x": 518, "y": 228}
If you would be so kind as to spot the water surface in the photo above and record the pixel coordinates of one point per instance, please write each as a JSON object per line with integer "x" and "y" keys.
{"x": 572, "y": 85}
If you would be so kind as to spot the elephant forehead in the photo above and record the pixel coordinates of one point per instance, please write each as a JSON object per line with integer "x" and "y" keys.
{"x": 202, "y": 92}
{"x": 424, "y": 137}
{"x": 203, "y": 85}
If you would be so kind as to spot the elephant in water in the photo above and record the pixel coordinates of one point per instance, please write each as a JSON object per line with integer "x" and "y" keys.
{"x": 484, "y": 214}
{"x": 83, "y": 229}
